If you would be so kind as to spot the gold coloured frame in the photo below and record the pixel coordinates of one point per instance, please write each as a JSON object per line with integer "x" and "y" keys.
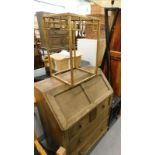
{"x": 71, "y": 23}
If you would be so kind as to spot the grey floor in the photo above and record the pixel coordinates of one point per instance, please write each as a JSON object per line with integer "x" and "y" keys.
{"x": 110, "y": 144}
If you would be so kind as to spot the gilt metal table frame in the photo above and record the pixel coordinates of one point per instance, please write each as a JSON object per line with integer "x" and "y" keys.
{"x": 71, "y": 23}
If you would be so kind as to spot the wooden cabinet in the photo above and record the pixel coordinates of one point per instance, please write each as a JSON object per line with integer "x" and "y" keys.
{"x": 116, "y": 71}
{"x": 115, "y": 43}
{"x": 115, "y": 55}
{"x": 74, "y": 117}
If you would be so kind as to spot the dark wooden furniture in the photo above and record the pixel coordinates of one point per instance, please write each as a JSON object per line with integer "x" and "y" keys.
{"x": 38, "y": 63}
{"x": 111, "y": 64}
{"x": 116, "y": 71}
{"x": 115, "y": 110}
{"x": 74, "y": 117}
{"x": 115, "y": 43}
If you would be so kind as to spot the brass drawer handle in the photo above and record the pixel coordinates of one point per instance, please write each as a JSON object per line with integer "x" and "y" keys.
{"x": 80, "y": 126}
{"x": 103, "y": 106}
{"x": 79, "y": 141}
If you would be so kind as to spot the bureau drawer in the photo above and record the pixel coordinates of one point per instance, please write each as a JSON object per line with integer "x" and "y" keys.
{"x": 78, "y": 127}
{"x": 99, "y": 113}
{"x": 93, "y": 138}
{"x": 104, "y": 104}
{"x": 83, "y": 124}
{"x": 105, "y": 114}
{"x": 80, "y": 140}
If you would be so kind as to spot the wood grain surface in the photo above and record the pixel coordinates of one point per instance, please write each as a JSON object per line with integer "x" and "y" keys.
{"x": 74, "y": 117}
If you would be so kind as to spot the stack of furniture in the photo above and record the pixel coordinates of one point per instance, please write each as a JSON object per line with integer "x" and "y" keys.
{"x": 74, "y": 104}
{"x": 70, "y": 24}
{"x": 115, "y": 110}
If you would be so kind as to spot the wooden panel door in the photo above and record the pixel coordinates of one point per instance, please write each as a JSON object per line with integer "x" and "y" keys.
{"x": 115, "y": 43}
{"x": 116, "y": 71}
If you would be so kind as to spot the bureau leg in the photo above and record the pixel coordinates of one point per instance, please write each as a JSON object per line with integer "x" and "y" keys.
{"x": 61, "y": 151}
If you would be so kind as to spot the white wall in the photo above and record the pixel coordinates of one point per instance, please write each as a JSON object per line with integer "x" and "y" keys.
{"x": 42, "y": 7}
{"x": 107, "y": 3}
{"x": 62, "y": 6}
{"x": 84, "y": 8}
{"x": 88, "y": 48}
